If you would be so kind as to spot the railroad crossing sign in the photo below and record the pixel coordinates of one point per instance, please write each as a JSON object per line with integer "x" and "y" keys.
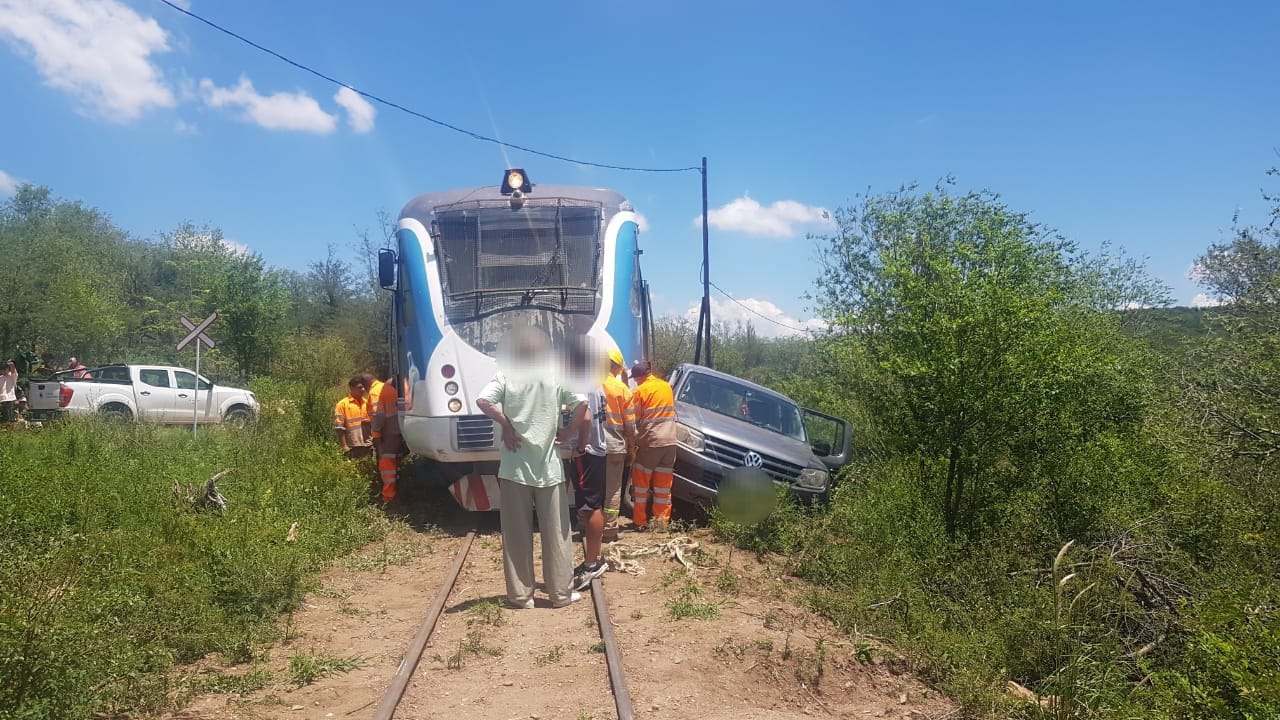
{"x": 197, "y": 332}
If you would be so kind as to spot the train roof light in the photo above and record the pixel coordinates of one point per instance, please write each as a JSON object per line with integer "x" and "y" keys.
{"x": 515, "y": 180}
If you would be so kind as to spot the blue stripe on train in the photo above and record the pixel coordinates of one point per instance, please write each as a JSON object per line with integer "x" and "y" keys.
{"x": 421, "y": 334}
{"x": 624, "y": 321}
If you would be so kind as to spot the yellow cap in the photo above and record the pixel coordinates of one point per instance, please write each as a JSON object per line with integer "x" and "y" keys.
{"x": 615, "y": 356}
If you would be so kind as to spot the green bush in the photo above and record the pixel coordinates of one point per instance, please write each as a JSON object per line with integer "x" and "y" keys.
{"x": 109, "y": 578}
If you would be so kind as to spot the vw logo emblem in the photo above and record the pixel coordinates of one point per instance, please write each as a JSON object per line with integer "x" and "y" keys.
{"x": 752, "y": 459}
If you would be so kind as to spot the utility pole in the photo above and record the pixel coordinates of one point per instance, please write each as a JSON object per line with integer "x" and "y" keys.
{"x": 704, "y": 315}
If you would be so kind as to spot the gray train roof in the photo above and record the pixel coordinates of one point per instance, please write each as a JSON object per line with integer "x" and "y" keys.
{"x": 421, "y": 207}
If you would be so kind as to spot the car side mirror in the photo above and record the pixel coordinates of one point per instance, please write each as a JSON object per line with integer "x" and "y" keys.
{"x": 387, "y": 268}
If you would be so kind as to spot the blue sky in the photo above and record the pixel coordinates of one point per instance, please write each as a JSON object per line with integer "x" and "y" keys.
{"x": 1147, "y": 124}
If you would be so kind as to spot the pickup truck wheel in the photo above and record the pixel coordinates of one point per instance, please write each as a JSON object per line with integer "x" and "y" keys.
{"x": 115, "y": 413}
{"x": 238, "y": 417}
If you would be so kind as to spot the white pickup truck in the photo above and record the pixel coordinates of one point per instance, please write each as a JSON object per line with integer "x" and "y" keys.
{"x": 154, "y": 393}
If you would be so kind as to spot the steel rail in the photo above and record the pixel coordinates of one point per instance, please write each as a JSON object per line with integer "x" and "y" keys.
{"x": 621, "y": 695}
{"x": 400, "y": 682}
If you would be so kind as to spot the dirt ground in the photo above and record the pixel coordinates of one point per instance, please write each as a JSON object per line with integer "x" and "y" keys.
{"x": 741, "y": 648}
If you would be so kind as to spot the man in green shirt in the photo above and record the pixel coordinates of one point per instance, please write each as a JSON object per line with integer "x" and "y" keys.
{"x": 525, "y": 402}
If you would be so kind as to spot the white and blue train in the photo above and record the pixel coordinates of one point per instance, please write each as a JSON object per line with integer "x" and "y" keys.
{"x": 470, "y": 265}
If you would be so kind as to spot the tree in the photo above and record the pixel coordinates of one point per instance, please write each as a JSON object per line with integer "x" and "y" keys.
{"x": 59, "y": 282}
{"x": 1000, "y": 340}
{"x": 252, "y": 306}
{"x": 1237, "y": 365}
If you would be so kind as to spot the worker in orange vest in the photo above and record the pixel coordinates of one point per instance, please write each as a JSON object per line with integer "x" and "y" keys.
{"x": 620, "y": 437}
{"x": 654, "y": 468}
{"x": 372, "y": 397}
{"x": 351, "y": 421}
{"x": 386, "y": 428}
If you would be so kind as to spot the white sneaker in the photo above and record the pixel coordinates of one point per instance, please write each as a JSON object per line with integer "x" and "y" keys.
{"x": 526, "y": 605}
{"x": 573, "y": 598}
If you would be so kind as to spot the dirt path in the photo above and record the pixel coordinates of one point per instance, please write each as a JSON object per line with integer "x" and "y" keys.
{"x": 724, "y": 639}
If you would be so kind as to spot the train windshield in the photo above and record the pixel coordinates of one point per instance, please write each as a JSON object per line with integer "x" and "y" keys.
{"x": 536, "y": 259}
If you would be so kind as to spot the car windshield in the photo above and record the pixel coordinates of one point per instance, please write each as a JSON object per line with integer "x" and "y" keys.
{"x": 743, "y": 402}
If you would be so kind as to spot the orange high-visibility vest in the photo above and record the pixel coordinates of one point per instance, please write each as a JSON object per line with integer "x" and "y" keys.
{"x": 620, "y": 415}
{"x": 655, "y": 408}
{"x": 373, "y": 399}
{"x": 351, "y": 416}
{"x": 387, "y": 419}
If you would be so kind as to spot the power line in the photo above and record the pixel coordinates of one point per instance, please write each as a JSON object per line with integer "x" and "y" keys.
{"x": 758, "y": 313}
{"x": 415, "y": 113}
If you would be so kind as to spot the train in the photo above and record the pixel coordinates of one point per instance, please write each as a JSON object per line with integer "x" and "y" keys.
{"x": 468, "y": 266}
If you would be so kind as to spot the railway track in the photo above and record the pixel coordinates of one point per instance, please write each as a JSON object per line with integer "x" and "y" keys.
{"x": 404, "y": 674}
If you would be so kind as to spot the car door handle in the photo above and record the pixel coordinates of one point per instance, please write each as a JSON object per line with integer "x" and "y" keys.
{"x": 182, "y": 394}
{"x": 145, "y": 392}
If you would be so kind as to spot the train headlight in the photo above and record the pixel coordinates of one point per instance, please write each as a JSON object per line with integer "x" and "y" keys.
{"x": 451, "y": 388}
{"x": 455, "y": 405}
{"x": 515, "y": 180}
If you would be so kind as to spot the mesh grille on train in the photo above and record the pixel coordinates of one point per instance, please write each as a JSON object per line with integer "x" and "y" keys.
{"x": 541, "y": 256}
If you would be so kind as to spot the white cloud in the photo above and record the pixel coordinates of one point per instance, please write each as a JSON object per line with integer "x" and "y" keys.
{"x": 99, "y": 51}
{"x": 642, "y": 222}
{"x": 359, "y": 112}
{"x": 182, "y": 127}
{"x": 279, "y": 111}
{"x": 184, "y": 4}
{"x": 8, "y": 184}
{"x": 768, "y": 319}
{"x": 1203, "y": 300}
{"x": 775, "y": 220}
{"x": 237, "y": 248}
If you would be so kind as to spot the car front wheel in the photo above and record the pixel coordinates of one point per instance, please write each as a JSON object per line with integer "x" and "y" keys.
{"x": 238, "y": 418}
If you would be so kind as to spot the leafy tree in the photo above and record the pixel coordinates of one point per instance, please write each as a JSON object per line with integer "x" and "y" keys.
{"x": 59, "y": 287}
{"x": 1001, "y": 340}
{"x": 1240, "y": 360}
{"x": 252, "y": 306}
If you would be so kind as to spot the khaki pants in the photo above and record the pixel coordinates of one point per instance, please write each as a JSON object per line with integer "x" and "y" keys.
{"x": 651, "y": 477}
{"x": 613, "y": 467}
{"x": 519, "y": 503}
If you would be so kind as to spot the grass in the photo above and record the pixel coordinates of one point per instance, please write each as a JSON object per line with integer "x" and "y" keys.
{"x": 486, "y": 612}
{"x": 108, "y": 584}
{"x": 231, "y": 684}
{"x": 473, "y": 645}
{"x": 306, "y": 668}
{"x": 596, "y": 647}
{"x": 686, "y": 606}
{"x": 728, "y": 583}
{"x": 683, "y": 609}
{"x": 554, "y": 655}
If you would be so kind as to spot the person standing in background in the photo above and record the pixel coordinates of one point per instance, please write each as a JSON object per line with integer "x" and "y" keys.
{"x": 351, "y": 421}
{"x": 80, "y": 371}
{"x": 8, "y": 393}
{"x": 386, "y": 431}
{"x": 372, "y": 397}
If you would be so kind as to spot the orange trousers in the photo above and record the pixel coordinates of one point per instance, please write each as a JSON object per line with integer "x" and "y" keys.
{"x": 389, "y": 466}
{"x": 651, "y": 479}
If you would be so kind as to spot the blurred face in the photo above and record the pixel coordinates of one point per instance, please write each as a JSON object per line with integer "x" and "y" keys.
{"x": 357, "y": 391}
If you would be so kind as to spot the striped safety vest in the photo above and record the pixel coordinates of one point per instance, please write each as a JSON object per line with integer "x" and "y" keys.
{"x": 655, "y": 409}
{"x": 619, "y": 417}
